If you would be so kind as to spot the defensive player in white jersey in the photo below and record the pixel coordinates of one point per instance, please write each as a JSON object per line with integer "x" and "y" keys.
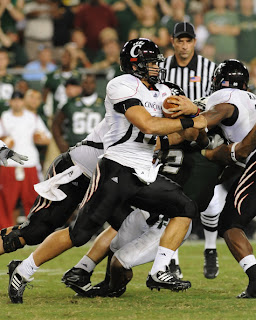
{"x": 126, "y": 174}
{"x": 6, "y": 153}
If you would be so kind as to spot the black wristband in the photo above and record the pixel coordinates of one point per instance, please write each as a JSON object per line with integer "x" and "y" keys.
{"x": 187, "y": 123}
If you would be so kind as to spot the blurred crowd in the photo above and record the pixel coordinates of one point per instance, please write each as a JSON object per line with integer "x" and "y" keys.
{"x": 52, "y": 54}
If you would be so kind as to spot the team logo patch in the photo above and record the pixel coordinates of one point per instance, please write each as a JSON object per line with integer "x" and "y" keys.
{"x": 195, "y": 79}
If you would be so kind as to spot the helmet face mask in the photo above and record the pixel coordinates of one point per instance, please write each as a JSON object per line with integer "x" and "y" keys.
{"x": 136, "y": 56}
{"x": 230, "y": 74}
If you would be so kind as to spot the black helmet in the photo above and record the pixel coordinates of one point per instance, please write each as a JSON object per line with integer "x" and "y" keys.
{"x": 140, "y": 52}
{"x": 230, "y": 74}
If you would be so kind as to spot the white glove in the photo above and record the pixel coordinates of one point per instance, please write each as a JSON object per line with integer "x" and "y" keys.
{"x": 6, "y": 153}
{"x": 201, "y": 103}
{"x": 214, "y": 141}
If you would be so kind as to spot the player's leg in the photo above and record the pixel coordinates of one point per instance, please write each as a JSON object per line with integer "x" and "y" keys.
{"x": 242, "y": 251}
{"x": 100, "y": 201}
{"x": 45, "y": 215}
{"x": 239, "y": 210}
{"x": 136, "y": 243}
{"x": 200, "y": 178}
{"x": 139, "y": 250}
{"x": 78, "y": 278}
{"x": 166, "y": 197}
{"x": 131, "y": 229}
{"x": 209, "y": 219}
{"x": 174, "y": 265}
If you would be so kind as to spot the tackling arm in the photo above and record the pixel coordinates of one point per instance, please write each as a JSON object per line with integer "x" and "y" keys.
{"x": 240, "y": 150}
{"x": 218, "y": 113}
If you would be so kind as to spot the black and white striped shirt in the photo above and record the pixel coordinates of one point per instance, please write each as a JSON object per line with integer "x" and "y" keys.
{"x": 194, "y": 79}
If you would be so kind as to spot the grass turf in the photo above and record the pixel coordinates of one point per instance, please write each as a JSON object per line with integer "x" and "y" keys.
{"x": 207, "y": 299}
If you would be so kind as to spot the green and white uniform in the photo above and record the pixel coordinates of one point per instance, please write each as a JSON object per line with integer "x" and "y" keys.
{"x": 82, "y": 114}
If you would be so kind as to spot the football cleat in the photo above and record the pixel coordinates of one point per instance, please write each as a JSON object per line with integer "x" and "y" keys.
{"x": 17, "y": 283}
{"x": 102, "y": 290}
{"x": 175, "y": 269}
{"x": 211, "y": 264}
{"x": 166, "y": 280}
{"x": 78, "y": 280}
{"x": 249, "y": 293}
{"x": 244, "y": 295}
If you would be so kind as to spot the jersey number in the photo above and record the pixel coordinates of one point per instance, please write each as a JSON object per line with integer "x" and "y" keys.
{"x": 173, "y": 161}
{"x": 84, "y": 123}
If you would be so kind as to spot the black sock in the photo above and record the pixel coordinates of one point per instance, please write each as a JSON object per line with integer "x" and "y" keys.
{"x": 251, "y": 273}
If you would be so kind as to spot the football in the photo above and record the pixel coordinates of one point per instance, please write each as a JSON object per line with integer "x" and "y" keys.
{"x": 167, "y": 106}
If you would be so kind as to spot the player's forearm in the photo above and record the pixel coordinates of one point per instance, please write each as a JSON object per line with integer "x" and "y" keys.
{"x": 247, "y": 145}
{"x": 239, "y": 151}
{"x": 161, "y": 126}
{"x": 220, "y": 154}
{"x": 164, "y": 126}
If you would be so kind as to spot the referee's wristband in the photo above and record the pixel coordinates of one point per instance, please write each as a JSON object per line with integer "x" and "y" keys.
{"x": 233, "y": 155}
{"x": 194, "y": 115}
{"x": 187, "y": 123}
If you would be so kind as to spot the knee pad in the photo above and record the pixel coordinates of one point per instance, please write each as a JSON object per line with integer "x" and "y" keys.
{"x": 11, "y": 241}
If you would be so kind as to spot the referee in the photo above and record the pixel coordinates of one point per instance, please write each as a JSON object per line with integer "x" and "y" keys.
{"x": 192, "y": 72}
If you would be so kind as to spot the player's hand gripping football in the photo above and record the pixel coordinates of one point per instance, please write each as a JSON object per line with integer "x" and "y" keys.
{"x": 6, "y": 153}
{"x": 184, "y": 107}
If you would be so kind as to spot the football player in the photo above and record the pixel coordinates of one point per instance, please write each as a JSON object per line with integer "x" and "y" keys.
{"x": 134, "y": 114}
{"x": 236, "y": 116}
{"x": 230, "y": 84}
{"x": 77, "y": 118}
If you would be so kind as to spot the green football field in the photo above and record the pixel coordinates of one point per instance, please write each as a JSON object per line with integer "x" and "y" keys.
{"x": 207, "y": 299}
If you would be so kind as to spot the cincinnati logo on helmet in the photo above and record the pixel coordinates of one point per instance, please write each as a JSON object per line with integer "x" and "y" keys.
{"x": 135, "y": 50}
